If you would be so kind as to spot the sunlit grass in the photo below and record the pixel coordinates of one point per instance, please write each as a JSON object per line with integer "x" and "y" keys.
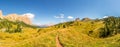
{"x": 71, "y": 36}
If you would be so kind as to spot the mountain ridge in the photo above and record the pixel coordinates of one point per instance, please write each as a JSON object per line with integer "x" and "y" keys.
{"x": 15, "y": 17}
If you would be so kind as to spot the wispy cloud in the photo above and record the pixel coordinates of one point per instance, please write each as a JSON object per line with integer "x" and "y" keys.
{"x": 29, "y": 15}
{"x": 60, "y": 16}
{"x": 105, "y": 17}
{"x": 70, "y": 17}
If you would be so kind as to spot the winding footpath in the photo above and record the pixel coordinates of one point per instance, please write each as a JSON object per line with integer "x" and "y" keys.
{"x": 58, "y": 44}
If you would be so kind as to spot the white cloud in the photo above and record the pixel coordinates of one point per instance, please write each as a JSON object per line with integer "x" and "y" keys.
{"x": 70, "y": 17}
{"x": 56, "y": 16}
{"x": 60, "y": 16}
{"x": 29, "y": 15}
{"x": 105, "y": 16}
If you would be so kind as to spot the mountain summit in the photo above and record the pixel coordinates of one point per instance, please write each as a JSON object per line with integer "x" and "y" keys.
{"x": 16, "y": 17}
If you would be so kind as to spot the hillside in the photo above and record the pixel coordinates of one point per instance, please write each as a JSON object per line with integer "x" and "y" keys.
{"x": 71, "y": 34}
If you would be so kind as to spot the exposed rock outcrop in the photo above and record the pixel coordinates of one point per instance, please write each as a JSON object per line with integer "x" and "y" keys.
{"x": 0, "y": 13}
{"x": 77, "y": 19}
{"x": 86, "y": 19}
{"x": 15, "y": 17}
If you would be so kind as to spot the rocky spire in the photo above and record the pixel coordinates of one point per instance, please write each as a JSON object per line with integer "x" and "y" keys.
{"x": 1, "y": 14}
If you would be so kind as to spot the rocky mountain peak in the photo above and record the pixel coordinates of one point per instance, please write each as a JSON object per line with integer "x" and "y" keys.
{"x": 15, "y": 17}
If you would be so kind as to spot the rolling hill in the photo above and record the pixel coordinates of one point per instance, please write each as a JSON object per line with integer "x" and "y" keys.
{"x": 69, "y": 34}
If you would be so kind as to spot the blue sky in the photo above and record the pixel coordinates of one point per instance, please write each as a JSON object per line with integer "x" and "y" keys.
{"x": 46, "y": 11}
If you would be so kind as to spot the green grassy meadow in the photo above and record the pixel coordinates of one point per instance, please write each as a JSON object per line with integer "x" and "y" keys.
{"x": 71, "y": 34}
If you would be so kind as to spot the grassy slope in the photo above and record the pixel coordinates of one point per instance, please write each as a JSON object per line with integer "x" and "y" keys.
{"x": 73, "y": 36}
{"x": 69, "y": 38}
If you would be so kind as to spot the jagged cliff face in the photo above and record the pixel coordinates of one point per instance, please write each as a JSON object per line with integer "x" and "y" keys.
{"x": 0, "y": 14}
{"x": 14, "y": 17}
